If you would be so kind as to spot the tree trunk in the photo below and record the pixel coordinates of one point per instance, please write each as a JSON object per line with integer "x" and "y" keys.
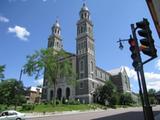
{"x": 54, "y": 95}
{"x": 15, "y": 107}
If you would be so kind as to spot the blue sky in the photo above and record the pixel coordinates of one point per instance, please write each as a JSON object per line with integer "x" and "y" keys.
{"x": 25, "y": 26}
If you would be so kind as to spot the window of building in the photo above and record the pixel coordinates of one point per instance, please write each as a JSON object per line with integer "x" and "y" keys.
{"x": 92, "y": 76}
{"x": 51, "y": 95}
{"x": 85, "y": 28}
{"x": 101, "y": 74}
{"x": 81, "y": 29}
{"x": 81, "y": 75}
{"x": 58, "y": 31}
{"x": 57, "y": 44}
{"x": 96, "y": 72}
{"x": 67, "y": 92}
{"x": 91, "y": 66}
{"x": 89, "y": 29}
{"x": 93, "y": 85}
{"x": 81, "y": 85}
{"x": 82, "y": 45}
{"x": 81, "y": 65}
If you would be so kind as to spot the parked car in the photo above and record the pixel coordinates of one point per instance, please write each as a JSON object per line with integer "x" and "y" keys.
{"x": 12, "y": 115}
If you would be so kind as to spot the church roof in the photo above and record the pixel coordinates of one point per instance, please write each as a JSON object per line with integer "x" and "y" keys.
{"x": 71, "y": 54}
{"x": 57, "y": 24}
{"x": 84, "y": 7}
{"x": 116, "y": 71}
{"x": 102, "y": 70}
{"x": 35, "y": 89}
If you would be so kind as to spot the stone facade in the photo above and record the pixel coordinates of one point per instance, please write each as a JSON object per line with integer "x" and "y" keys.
{"x": 33, "y": 95}
{"x": 89, "y": 76}
{"x": 120, "y": 79}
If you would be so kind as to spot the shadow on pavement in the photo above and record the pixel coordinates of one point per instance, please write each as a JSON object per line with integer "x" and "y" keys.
{"x": 126, "y": 116}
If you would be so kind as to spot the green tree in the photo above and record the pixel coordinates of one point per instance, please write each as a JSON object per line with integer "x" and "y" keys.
{"x": 53, "y": 64}
{"x": 2, "y": 67}
{"x": 107, "y": 92}
{"x": 126, "y": 99}
{"x": 11, "y": 92}
{"x": 152, "y": 97}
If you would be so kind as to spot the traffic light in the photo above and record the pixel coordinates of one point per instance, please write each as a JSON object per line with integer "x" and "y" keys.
{"x": 147, "y": 42}
{"x": 135, "y": 52}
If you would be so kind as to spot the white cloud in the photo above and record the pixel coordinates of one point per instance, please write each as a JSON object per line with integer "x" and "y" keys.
{"x": 131, "y": 73}
{"x": 44, "y": 0}
{"x": 21, "y": 32}
{"x": 39, "y": 82}
{"x": 154, "y": 84}
{"x": 4, "y": 19}
{"x": 152, "y": 79}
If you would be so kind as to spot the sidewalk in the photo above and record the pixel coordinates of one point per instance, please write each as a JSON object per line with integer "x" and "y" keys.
{"x": 35, "y": 114}
{"x": 47, "y": 114}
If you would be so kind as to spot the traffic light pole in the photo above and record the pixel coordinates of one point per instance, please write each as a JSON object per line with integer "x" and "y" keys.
{"x": 147, "y": 108}
{"x": 140, "y": 92}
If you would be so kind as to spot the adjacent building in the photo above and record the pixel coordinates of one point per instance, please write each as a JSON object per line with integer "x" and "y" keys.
{"x": 120, "y": 79}
{"x": 89, "y": 76}
{"x": 33, "y": 94}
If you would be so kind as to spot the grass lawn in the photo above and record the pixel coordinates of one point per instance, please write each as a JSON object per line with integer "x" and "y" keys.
{"x": 63, "y": 107}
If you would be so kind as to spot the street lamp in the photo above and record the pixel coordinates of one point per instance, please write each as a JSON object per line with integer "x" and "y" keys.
{"x": 20, "y": 76}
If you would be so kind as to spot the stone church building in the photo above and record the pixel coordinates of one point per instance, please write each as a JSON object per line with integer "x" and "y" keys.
{"x": 89, "y": 76}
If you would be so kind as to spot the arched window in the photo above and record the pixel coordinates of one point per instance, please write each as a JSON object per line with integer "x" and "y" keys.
{"x": 59, "y": 93}
{"x": 67, "y": 92}
{"x": 81, "y": 29}
{"x": 51, "y": 95}
{"x": 81, "y": 85}
{"x": 58, "y": 31}
{"x": 85, "y": 14}
{"x": 57, "y": 44}
{"x": 91, "y": 66}
{"x": 81, "y": 65}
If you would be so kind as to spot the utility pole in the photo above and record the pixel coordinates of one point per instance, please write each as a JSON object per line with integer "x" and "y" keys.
{"x": 147, "y": 47}
{"x": 147, "y": 109}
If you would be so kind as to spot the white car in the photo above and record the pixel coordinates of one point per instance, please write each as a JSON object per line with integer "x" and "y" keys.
{"x": 12, "y": 115}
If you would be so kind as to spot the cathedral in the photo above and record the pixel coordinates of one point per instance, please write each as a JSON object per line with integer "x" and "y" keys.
{"x": 89, "y": 76}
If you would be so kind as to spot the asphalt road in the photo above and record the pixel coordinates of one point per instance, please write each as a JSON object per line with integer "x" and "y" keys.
{"x": 110, "y": 114}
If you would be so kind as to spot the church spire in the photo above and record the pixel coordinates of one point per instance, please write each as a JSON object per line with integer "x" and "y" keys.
{"x": 84, "y": 12}
{"x": 54, "y": 39}
{"x": 56, "y": 30}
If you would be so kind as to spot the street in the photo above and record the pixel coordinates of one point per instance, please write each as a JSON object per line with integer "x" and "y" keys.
{"x": 110, "y": 114}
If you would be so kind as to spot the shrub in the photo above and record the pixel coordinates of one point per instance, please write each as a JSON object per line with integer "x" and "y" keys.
{"x": 58, "y": 102}
{"x": 126, "y": 99}
{"x": 113, "y": 100}
{"x": 73, "y": 102}
{"x": 27, "y": 107}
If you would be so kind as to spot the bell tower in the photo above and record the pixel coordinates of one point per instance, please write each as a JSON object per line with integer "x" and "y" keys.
{"x": 54, "y": 39}
{"x": 85, "y": 51}
{"x": 55, "y": 42}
